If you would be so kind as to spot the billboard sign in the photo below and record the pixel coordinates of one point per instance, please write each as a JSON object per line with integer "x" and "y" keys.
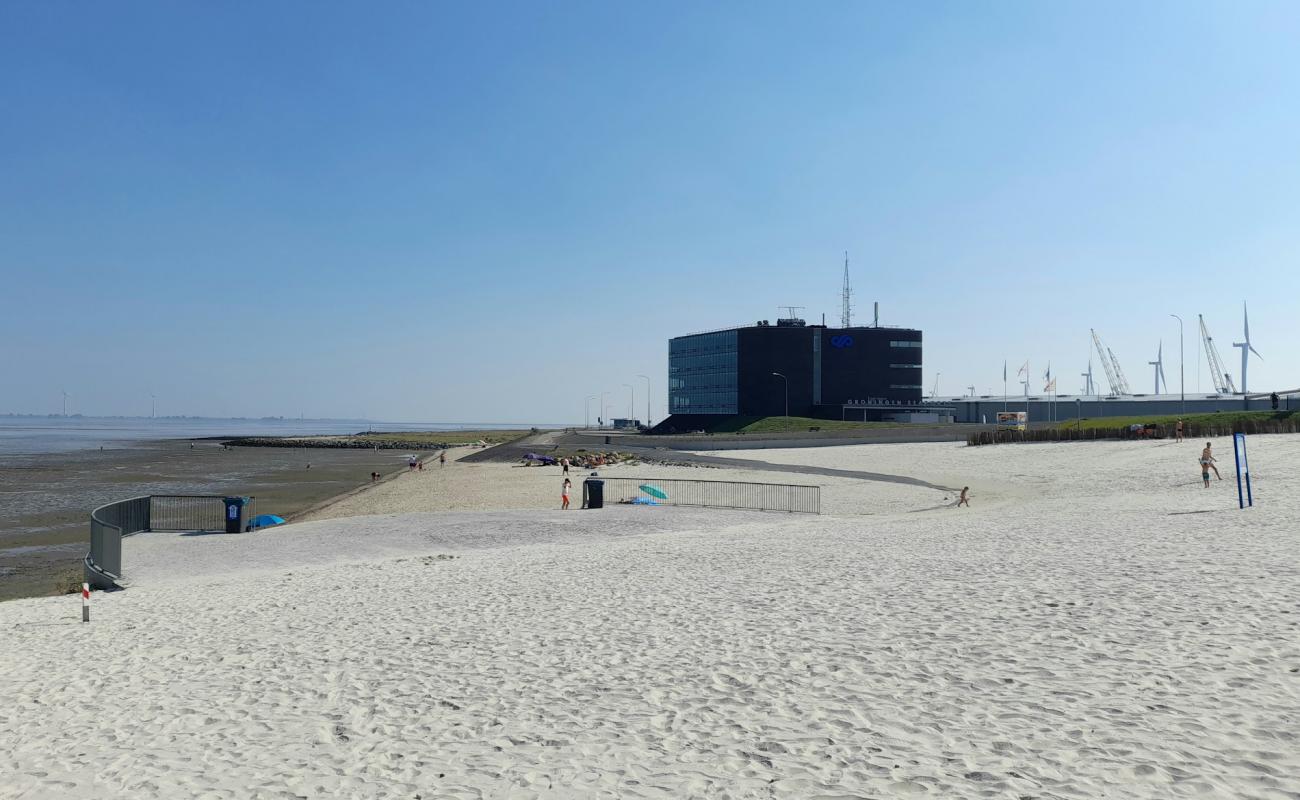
{"x": 1012, "y": 420}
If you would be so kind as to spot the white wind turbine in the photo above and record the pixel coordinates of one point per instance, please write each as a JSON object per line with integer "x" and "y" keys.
{"x": 1246, "y": 347}
{"x": 1159, "y": 365}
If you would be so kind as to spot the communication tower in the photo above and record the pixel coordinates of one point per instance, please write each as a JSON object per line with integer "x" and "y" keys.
{"x": 846, "y": 315}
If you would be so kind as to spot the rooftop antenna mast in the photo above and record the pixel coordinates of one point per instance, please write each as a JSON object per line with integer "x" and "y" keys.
{"x": 792, "y": 311}
{"x": 1222, "y": 380}
{"x": 846, "y": 315}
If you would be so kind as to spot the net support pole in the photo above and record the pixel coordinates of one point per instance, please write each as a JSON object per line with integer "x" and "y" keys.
{"x": 1244, "y": 496}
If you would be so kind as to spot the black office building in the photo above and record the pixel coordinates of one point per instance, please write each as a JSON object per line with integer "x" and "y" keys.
{"x": 829, "y": 373}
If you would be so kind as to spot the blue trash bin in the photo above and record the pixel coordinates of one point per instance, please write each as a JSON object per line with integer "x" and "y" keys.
{"x": 235, "y": 514}
{"x": 593, "y": 493}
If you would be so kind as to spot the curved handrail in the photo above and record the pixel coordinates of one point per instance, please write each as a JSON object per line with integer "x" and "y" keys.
{"x": 120, "y": 518}
{"x": 112, "y": 522}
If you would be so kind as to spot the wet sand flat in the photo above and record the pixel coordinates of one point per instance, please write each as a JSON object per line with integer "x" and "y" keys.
{"x": 46, "y": 500}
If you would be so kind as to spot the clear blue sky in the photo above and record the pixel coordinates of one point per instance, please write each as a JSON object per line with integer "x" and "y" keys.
{"x": 487, "y": 212}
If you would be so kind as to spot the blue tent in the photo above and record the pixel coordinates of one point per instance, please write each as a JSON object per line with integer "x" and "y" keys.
{"x": 265, "y": 521}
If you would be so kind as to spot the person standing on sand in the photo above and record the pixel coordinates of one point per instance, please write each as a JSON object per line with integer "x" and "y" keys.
{"x": 564, "y": 462}
{"x": 1207, "y": 464}
{"x": 1178, "y": 431}
{"x": 442, "y": 458}
{"x": 564, "y": 495}
{"x": 964, "y": 500}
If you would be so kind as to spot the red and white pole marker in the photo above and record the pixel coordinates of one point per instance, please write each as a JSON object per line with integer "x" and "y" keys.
{"x": 85, "y": 602}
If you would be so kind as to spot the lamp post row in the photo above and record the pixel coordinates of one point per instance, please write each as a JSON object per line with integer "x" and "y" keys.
{"x": 604, "y": 407}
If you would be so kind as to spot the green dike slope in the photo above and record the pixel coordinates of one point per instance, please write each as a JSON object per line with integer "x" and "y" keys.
{"x": 791, "y": 424}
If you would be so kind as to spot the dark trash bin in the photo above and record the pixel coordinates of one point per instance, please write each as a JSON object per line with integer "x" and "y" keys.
{"x": 593, "y": 493}
{"x": 235, "y": 514}
{"x": 606, "y": 440}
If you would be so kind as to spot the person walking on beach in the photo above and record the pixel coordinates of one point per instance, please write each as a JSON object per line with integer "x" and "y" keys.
{"x": 1207, "y": 464}
{"x": 1178, "y": 431}
{"x": 442, "y": 458}
{"x": 564, "y": 495}
{"x": 564, "y": 462}
{"x": 964, "y": 500}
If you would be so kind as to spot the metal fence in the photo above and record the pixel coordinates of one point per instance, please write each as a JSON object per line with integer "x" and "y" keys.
{"x": 189, "y": 512}
{"x": 110, "y": 523}
{"x": 793, "y": 498}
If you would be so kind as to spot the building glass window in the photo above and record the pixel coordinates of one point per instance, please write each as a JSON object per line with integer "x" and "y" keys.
{"x": 702, "y": 373}
{"x": 904, "y": 344}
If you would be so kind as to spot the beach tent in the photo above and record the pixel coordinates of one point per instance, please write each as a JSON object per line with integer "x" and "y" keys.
{"x": 265, "y": 521}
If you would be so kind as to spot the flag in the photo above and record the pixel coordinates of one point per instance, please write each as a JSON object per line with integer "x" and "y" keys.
{"x": 1047, "y": 376}
{"x": 1051, "y": 386}
{"x": 1004, "y": 371}
{"x": 1024, "y": 370}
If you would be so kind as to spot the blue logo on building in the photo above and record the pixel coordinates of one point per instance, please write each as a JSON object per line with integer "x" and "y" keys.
{"x": 841, "y": 341}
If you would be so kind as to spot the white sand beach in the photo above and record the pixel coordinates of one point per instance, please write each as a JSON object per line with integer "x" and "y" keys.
{"x": 1097, "y": 624}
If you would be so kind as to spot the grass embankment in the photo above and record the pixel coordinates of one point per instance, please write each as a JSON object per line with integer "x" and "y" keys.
{"x": 791, "y": 424}
{"x": 443, "y": 437}
{"x": 1221, "y": 418}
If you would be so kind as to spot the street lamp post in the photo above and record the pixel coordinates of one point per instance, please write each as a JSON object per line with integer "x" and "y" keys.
{"x": 787, "y": 393}
{"x": 647, "y": 399}
{"x": 586, "y": 411}
{"x": 603, "y": 416}
{"x": 1182, "y": 392}
{"x": 631, "y": 400}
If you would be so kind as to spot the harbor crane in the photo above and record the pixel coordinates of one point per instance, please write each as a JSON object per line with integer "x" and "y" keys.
{"x": 1110, "y": 364}
{"x": 1222, "y": 380}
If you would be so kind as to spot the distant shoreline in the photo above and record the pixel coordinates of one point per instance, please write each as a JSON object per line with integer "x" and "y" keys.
{"x": 419, "y": 441}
